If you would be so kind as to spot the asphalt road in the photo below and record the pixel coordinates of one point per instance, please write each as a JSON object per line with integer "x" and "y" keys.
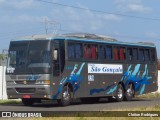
{"x": 102, "y": 105}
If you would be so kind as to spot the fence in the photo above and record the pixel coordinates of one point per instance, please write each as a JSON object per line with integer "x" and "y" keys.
{"x": 159, "y": 81}
{"x": 3, "y": 94}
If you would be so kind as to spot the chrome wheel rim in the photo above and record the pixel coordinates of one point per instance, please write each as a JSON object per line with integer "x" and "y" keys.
{"x": 66, "y": 95}
{"x": 120, "y": 93}
{"x": 129, "y": 91}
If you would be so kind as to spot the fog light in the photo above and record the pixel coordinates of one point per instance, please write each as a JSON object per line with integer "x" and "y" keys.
{"x": 47, "y": 82}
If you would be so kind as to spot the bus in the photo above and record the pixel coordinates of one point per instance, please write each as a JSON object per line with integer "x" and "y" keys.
{"x": 79, "y": 65}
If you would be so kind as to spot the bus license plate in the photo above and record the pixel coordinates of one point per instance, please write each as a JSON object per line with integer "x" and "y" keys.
{"x": 26, "y": 96}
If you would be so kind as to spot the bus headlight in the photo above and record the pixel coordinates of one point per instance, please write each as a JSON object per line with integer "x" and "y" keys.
{"x": 46, "y": 82}
{"x": 10, "y": 82}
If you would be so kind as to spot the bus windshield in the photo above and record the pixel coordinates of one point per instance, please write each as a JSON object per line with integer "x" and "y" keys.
{"x": 38, "y": 58}
{"x": 29, "y": 55}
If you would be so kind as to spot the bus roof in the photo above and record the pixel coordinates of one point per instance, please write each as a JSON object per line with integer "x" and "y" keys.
{"x": 86, "y": 37}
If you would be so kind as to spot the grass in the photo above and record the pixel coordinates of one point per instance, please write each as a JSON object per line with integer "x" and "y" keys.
{"x": 149, "y": 95}
{"x": 10, "y": 101}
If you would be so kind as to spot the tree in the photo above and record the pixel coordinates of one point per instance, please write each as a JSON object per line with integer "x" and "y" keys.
{"x": 158, "y": 64}
{"x": 2, "y": 58}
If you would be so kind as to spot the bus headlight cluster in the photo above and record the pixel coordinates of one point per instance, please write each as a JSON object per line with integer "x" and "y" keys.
{"x": 46, "y": 82}
{"x": 10, "y": 82}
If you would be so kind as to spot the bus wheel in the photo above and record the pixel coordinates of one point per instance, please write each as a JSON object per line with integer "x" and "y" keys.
{"x": 119, "y": 93}
{"x": 27, "y": 102}
{"x": 129, "y": 93}
{"x": 65, "y": 97}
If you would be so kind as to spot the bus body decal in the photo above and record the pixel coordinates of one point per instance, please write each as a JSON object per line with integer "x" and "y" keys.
{"x": 73, "y": 78}
{"x": 92, "y": 91}
{"x": 105, "y": 68}
{"x": 129, "y": 76}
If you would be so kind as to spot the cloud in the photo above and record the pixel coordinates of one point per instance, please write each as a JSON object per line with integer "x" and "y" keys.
{"x": 132, "y": 6}
{"x": 24, "y": 18}
{"x": 152, "y": 35}
{"x": 82, "y": 20}
{"x": 17, "y": 4}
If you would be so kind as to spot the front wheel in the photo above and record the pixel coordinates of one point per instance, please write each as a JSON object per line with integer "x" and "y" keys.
{"x": 65, "y": 97}
{"x": 129, "y": 93}
{"x": 119, "y": 93}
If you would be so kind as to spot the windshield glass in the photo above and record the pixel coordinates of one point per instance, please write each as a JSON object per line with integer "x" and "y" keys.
{"x": 27, "y": 56}
{"x": 17, "y": 55}
{"x": 39, "y": 58}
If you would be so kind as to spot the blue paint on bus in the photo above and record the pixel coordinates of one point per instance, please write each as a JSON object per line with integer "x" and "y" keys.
{"x": 75, "y": 79}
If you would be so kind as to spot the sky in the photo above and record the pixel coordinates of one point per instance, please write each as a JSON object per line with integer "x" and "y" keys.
{"x": 130, "y": 21}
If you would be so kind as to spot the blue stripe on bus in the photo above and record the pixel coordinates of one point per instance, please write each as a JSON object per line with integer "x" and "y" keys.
{"x": 91, "y": 40}
{"x": 99, "y": 41}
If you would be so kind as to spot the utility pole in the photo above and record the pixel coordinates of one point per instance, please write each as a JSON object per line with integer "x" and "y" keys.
{"x": 53, "y": 25}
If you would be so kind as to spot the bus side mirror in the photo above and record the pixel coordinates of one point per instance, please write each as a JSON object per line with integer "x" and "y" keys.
{"x": 55, "y": 54}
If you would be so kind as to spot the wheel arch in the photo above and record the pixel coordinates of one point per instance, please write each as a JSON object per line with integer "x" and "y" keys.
{"x": 69, "y": 85}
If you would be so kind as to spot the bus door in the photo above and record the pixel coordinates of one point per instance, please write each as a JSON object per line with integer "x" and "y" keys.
{"x": 58, "y": 61}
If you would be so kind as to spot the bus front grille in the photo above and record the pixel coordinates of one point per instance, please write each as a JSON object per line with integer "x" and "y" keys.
{"x": 25, "y": 82}
{"x": 25, "y": 90}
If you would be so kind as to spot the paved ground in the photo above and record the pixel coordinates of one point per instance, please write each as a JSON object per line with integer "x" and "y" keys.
{"x": 79, "y": 106}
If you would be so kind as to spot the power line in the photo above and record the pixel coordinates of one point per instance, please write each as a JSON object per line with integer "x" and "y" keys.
{"x": 98, "y": 11}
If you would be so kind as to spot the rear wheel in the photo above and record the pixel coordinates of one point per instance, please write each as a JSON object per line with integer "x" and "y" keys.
{"x": 129, "y": 93}
{"x": 27, "y": 102}
{"x": 119, "y": 93}
{"x": 65, "y": 97}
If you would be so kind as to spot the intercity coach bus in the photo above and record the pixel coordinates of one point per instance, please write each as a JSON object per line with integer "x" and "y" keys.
{"x": 85, "y": 66}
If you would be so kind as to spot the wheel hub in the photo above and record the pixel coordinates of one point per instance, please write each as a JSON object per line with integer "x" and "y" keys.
{"x": 120, "y": 94}
{"x": 66, "y": 95}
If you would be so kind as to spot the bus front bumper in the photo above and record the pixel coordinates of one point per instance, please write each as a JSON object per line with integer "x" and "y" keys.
{"x": 38, "y": 91}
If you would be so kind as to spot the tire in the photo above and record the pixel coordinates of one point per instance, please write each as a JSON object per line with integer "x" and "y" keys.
{"x": 65, "y": 97}
{"x": 119, "y": 93}
{"x": 129, "y": 93}
{"x": 27, "y": 102}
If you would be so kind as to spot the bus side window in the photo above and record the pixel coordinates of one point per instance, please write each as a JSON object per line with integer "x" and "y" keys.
{"x": 90, "y": 51}
{"x": 141, "y": 54}
{"x": 146, "y": 55}
{"x": 70, "y": 50}
{"x": 135, "y": 54}
{"x": 108, "y": 52}
{"x": 116, "y": 56}
{"x": 74, "y": 50}
{"x": 87, "y": 51}
{"x": 129, "y": 54}
{"x": 122, "y": 54}
{"x": 152, "y": 55}
{"x": 102, "y": 52}
{"x": 78, "y": 50}
{"x": 94, "y": 51}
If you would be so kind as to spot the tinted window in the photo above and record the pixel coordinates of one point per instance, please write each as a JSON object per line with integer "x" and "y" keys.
{"x": 90, "y": 51}
{"x": 129, "y": 54}
{"x": 135, "y": 54}
{"x": 141, "y": 54}
{"x": 108, "y": 52}
{"x": 74, "y": 50}
{"x": 147, "y": 55}
{"x": 116, "y": 53}
{"x": 152, "y": 54}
